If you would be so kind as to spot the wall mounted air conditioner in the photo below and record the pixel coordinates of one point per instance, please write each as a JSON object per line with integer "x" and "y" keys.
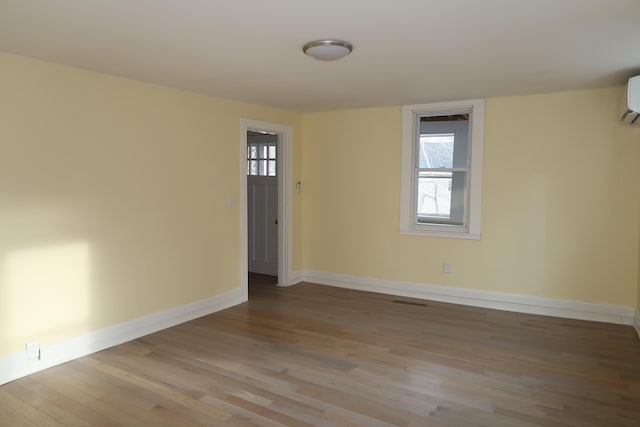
{"x": 630, "y": 102}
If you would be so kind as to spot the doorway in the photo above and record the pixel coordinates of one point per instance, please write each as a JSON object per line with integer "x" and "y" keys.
{"x": 262, "y": 203}
{"x": 265, "y": 201}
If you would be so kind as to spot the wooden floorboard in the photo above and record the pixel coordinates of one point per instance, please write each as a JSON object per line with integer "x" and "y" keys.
{"x": 312, "y": 355}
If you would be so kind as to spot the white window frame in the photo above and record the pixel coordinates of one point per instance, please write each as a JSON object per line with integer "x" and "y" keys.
{"x": 410, "y": 135}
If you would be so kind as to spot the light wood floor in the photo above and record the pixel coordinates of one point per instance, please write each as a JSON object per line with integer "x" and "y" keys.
{"x": 311, "y": 355}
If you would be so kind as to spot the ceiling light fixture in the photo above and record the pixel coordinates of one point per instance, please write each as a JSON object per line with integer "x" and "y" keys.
{"x": 327, "y": 50}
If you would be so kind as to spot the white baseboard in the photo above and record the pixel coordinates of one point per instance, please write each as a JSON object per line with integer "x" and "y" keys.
{"x": 636, "y": 323}
{"x": 18, "y": 365}
{"x": 570, "y": 309}
{"x": 296, "y": 277}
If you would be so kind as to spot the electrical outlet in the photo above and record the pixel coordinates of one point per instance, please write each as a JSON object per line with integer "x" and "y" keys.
{"x": 33, "y": 350}
{"x": 446, "y": 267}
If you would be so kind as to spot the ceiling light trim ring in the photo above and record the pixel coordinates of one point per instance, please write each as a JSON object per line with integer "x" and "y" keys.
{"x": 324, "y": 49}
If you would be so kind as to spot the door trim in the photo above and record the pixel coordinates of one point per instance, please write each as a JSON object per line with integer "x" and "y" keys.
{"x": 284, "y": 156}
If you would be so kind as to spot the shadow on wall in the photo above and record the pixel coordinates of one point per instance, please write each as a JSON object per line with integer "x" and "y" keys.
{"x": 45, "y": 293}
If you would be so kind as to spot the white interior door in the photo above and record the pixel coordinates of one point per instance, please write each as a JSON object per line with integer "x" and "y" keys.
{"x": 262, "y": 203}
{"x": 283, "y": 136}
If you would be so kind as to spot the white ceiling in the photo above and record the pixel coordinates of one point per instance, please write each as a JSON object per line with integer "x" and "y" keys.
{"x": 405, "y": 51}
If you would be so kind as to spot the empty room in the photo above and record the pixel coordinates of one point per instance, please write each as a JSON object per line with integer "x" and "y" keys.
{"x": 342, "y": 213}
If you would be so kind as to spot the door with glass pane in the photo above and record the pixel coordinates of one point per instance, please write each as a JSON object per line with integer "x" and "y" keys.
{"x": 262, "y": 199}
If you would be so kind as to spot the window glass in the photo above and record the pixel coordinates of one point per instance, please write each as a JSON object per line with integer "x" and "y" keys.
{"x": 436, "y": 150}
{"x": 261, "y": 159}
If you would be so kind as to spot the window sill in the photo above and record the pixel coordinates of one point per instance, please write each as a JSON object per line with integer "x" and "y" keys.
{"x": 441, "y": 234}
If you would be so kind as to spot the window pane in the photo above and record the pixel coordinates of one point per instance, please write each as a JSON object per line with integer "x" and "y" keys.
{"x": 441, "y": 197}
{"x": 436, "y": 150}
{"x": 434, "y": 194}
{"x": 261, "y": 159}
{"x": 443, "y": 143}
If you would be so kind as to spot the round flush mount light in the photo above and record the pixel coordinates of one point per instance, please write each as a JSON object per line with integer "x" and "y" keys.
{"x": 327, "y": 50}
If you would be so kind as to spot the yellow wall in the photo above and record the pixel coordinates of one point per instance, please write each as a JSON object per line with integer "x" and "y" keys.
{"x": 560, "y": 211}
{"x": 113, "y": 199}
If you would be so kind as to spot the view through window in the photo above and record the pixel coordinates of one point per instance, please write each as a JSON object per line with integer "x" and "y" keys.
{"x": 261, "y": 159}
{"x": 442, "y": 167}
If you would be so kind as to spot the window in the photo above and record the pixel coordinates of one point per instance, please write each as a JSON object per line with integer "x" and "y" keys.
{"x": 442, "y": 169}
{"x": 261, "y": 159}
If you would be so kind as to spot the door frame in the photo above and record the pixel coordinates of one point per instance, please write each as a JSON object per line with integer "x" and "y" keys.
{"x": 283, "y": 165}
